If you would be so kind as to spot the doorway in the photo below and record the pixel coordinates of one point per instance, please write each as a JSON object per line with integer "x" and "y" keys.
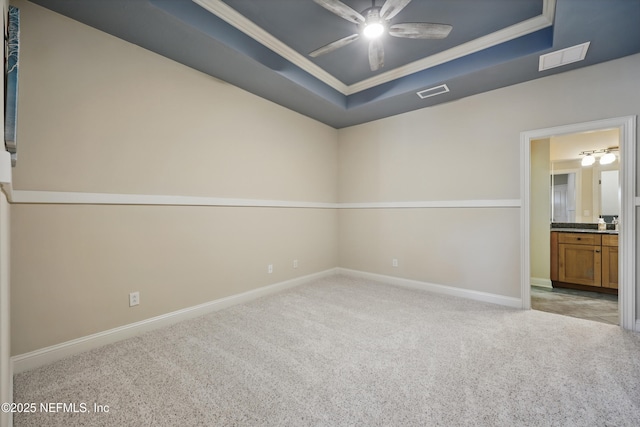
{"x": 563, "y": 196}
{"x": 627, "y": 286}
{"x": 569, "y": 193}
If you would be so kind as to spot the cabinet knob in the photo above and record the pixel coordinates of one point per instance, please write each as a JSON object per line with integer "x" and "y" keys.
{"x": 597, "y": 251}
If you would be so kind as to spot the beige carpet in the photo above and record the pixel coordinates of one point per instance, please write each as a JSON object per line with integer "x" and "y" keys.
{"x": 343, "y": 351}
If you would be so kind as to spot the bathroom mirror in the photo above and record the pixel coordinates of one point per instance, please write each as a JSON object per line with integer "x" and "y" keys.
{"x": 580, "y": 193}
{"x": 563, "y": 197}
{"x": 609, "y": 197}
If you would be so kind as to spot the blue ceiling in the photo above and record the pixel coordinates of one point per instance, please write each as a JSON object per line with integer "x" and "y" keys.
{"x": 262, "y": 46}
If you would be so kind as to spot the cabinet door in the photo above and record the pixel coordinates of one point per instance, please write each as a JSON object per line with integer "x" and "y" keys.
{"x": 554, "y": 274}
{"x": 580, "y": 264}
{"x": 610, "y": 267}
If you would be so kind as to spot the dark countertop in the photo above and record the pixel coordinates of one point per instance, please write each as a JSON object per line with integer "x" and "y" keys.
{"x": 583, "y": 230}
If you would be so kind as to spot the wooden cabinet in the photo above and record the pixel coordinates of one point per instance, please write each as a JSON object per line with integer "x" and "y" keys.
{"x": 610, "y": 261}
{"x": 584, "y": 260}
{"x": 579, "y": 258}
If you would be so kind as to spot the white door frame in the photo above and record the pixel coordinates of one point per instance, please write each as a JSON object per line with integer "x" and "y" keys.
{"x": 627, "y": 242}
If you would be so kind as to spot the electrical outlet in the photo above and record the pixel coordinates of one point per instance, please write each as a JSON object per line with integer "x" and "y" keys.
{"x": 394, "y": 262}
{"x": 134, "y": 298}
{"x": 295, "y": 263}
{"x": 270, "y": 268}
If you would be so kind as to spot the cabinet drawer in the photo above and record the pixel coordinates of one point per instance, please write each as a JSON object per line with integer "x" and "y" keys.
{"x": 579, "y": 238}
{"x": 610, "y": 240}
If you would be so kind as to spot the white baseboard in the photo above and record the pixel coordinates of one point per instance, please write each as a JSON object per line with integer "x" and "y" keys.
{"x": 637, "y": 325}
{"x": 541, "y": 283}
{"x": 44, "y": 356}
{"x": 440, "y": 289}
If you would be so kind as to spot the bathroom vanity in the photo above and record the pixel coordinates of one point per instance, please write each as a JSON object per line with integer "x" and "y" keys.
{"x": 585, "y": 259}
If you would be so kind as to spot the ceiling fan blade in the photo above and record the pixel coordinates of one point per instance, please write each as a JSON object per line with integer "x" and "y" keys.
{"x": 334, "y": 45}
{"x": 420, "y": 30}
{"x": 376, "y": 55}
{"x": 342, "y": 10}
{"x": 392, "y": 7}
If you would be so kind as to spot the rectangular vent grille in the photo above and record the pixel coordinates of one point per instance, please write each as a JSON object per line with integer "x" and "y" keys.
{"x": 563, "y": 57}
{"x": 437, "y": 90}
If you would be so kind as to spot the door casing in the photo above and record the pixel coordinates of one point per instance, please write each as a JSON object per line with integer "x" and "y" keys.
{"x": 627, "y": 246}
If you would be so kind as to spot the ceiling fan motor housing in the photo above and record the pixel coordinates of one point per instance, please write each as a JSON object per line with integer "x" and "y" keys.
{"x": 373, "y": 26}
{"x": 373, "y": 23}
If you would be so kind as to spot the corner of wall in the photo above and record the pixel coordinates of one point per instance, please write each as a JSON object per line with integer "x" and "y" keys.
{"x": 6, "y": 370}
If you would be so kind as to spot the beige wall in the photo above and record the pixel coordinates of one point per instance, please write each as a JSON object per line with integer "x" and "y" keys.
{"x": 6, "y": 376}
{"x": 114, "y": 118}
{"x": 444, "y": 246}
{"x": 568, "y": 147}
{"x": 74, "y": 266}
{"x": 540, "y": 240}
{"x": 102, "y": 115}
{"x": 429, "y": 154}
{"x": 6, "y": 388}
{"x": 464, "y": 150}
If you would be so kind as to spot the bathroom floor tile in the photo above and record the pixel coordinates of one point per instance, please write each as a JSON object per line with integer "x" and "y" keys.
{"x": 575, "y": 303}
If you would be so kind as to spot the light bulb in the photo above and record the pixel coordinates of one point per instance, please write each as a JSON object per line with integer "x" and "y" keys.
{"x": 373, "y": 30}
{"x": 588, "y": 160}
{"x": 607, "y": 159}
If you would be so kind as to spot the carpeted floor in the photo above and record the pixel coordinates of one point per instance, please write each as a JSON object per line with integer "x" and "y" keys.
{"x": 344, "y": 351}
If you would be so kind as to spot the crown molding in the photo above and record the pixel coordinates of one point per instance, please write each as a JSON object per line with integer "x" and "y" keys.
{"x": 231, "y": 16}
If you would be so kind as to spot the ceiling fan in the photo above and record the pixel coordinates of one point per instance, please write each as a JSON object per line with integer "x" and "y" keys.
{"x": 373, "y": 23}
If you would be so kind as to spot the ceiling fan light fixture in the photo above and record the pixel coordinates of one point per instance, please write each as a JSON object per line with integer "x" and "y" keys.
{"x": 373, "y": 26}
{"x": 373, "y": 30}
{"x": 373, "y": 23}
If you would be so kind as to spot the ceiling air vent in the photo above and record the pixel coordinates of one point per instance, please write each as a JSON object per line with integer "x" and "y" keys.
{"x": 563, "y": 57}
{"x": 437, "y": 90}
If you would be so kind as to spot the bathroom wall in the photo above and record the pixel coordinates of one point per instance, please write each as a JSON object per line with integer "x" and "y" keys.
{"x": 540, "y": 213}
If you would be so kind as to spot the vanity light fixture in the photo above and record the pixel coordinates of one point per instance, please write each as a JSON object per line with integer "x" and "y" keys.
{"x": 607, "y": 156}
{"x": 588, "y": 160}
